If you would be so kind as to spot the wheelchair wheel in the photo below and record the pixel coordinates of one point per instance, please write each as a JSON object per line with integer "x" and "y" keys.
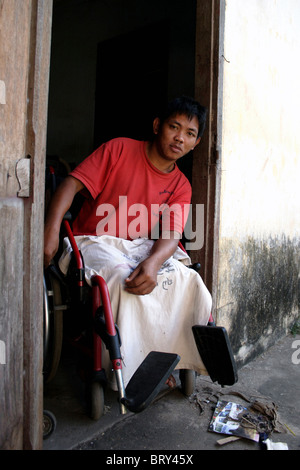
{"x": 49, "y": 423}
{"x": 53, "y": 326}
{"x": 188, "y": 381}
{"x": 96, "y": 401}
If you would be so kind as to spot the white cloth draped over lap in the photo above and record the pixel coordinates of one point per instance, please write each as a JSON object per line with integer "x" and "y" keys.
{"x": 160, "y": 321}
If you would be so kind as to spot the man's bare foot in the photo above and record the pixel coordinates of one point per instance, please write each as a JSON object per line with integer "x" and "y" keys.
{"x": 171, "y": 382}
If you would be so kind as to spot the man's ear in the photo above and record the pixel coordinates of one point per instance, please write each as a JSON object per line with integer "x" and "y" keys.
{"x": 156, "y": 125}
{"x": 197, "y": 142}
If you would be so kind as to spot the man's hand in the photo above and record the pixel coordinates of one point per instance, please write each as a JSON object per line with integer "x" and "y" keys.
{"x": 59, "y": 205}
{"x": 143, "y": 279}
{"x": 51, "y": 243}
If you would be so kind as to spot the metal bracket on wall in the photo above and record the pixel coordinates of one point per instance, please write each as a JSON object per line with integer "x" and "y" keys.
{"x": 23, "y": 176}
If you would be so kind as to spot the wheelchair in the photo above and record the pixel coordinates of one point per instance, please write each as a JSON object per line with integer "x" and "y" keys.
{"x": 81, "y": 315}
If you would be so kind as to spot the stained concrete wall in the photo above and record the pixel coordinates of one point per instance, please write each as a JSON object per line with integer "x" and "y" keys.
{"x": 259, "y": 244}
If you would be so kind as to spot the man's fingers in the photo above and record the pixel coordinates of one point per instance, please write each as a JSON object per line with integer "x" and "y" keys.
{"x": 139, "y": 283}
{"x": 142, "y": 280}
{"x": 132, "y": 280}
{"x": 142, "y": 289}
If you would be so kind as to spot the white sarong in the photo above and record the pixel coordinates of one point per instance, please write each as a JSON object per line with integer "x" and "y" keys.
{"x": 160, "y": 321}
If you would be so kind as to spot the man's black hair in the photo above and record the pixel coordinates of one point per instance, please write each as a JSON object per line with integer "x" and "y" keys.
{"x": 189, "y": 107}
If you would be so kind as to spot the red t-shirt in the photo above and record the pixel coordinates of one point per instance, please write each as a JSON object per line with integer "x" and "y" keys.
{"x": 127, "y": 195}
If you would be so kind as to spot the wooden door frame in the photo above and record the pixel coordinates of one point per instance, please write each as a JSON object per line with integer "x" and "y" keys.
{"x": 206, "y": 183}
{"x": 36, "y": 133}
{"x": 25, "y": 56}
{"x": 206, "y": 159}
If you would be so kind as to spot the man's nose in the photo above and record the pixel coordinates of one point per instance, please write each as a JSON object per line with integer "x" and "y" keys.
{"x": 179, "y": 137}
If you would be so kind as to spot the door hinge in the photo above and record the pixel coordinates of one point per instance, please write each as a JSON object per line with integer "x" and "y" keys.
{"x": 23, "y": 176}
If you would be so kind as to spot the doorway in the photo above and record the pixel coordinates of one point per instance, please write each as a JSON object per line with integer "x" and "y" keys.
{"x": 131, "y": 83}
{"x": 78, "y": 27}
{"x": 112, "y": 64}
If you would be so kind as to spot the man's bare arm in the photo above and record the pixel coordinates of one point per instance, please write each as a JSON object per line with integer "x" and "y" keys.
{"x": 59, "y": 205}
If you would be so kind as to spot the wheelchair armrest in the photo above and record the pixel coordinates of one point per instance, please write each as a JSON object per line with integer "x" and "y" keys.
{"x": 75, "y": 249}
{"x": 57, "y": 273}
{"x": 68, "y": 216}
{"x": 196, "y": 267}
{"x": 79, "y": 272}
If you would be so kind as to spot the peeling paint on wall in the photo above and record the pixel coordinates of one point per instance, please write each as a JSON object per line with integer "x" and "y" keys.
{"x": 258, "y": 290}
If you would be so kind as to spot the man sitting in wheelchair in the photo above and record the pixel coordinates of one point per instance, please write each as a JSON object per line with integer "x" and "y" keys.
{"x": 128, "y": 230}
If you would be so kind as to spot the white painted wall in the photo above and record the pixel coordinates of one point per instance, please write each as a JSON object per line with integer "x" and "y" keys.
{"x": 259, "y": 242}
{"x": 260, "y": 192}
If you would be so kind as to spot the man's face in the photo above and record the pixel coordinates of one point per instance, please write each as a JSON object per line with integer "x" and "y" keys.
{"x": 176, "y": 136}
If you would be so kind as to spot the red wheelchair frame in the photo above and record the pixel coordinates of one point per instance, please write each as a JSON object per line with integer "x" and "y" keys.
{"x": 100, "y": 296}
{"x": 150, "y": 376}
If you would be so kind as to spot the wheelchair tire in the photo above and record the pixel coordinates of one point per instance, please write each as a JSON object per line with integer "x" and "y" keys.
{"x": 188, "y": 381}
{"x": 96, "y": 401}
{"x": 53, "y": 326}
{"x": 49, "y": 423}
